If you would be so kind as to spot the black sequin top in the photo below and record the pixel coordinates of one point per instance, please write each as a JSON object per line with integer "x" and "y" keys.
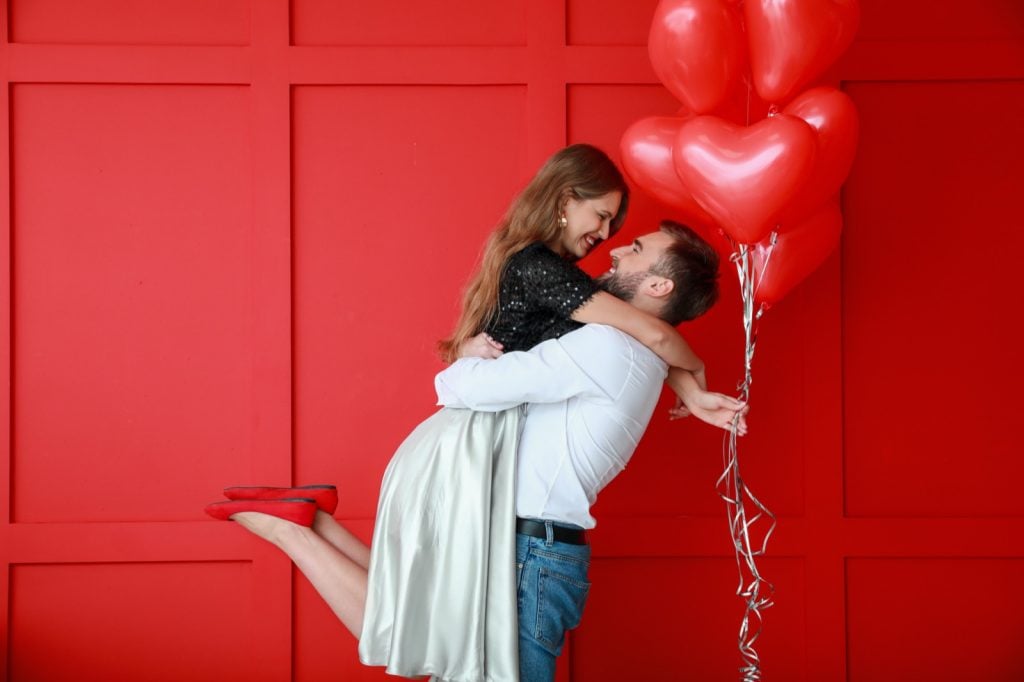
{"x": 538, "y": 293}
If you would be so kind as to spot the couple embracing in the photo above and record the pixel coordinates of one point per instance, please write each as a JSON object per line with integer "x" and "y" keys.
{"x": 479, "y": 559}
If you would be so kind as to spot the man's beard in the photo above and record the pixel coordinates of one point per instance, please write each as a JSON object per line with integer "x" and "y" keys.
{"x": 621, "y": 286}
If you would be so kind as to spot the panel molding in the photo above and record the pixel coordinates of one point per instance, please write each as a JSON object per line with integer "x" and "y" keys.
{"x": 128, "y": 64}
{"x": 272, "y": 371}
{"x": 546, "y": 90}
{"x": 6, "y": 414}
{"x": 547, "y": 59}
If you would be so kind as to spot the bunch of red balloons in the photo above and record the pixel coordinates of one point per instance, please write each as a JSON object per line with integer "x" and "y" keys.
{"x": 752, "y": 153}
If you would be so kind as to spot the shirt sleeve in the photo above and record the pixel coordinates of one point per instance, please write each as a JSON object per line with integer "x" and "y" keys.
{"x": 552, "y": 283}
{"x": 547, "y": 373}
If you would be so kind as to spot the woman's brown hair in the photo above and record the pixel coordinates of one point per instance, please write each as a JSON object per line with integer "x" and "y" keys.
{"x": 580, "y": 171}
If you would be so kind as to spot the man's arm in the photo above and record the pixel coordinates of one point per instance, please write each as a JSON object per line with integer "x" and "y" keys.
{"x": 547, "y": 373}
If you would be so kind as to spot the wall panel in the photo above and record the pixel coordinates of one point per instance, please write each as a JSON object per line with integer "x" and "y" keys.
{"x": 926, "y": 291}
{"x": 127, "y": 22}
{"x": 608, "y": 22}
{"x": 134, "y": 622}
{"x": 132, "y": 304}
{"x": 408, "y": 22}
{"x": 954, "y": 618}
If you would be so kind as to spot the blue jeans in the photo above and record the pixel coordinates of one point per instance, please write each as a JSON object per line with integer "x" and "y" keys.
{"x": 552, "y": 587}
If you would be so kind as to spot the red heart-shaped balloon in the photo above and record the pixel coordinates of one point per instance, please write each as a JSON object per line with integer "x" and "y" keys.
{"x": 697, "y": 50}
{"x": 833, "y": 116}
{"x": 647, "y": 159}
{"x": 797, "y": 253}
{"x": 745, "y": 177}
{"x": 792, "y": 42}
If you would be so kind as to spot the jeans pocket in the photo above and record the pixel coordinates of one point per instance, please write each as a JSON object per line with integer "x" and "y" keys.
{"x": 560, "y": 600}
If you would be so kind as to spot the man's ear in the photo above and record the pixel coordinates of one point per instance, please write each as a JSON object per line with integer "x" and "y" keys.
{"x": 659, "y": 287}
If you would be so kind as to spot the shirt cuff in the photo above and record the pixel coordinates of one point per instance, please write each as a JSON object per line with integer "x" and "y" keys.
{"x": 446, "y": 397}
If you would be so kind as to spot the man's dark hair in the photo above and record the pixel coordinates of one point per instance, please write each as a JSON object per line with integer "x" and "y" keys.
{"x": 692, "y": 265}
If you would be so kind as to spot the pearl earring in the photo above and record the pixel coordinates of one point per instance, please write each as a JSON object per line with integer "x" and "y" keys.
{"x": 563, "y": 222}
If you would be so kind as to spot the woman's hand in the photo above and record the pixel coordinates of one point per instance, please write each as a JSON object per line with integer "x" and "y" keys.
{"x": 714, "y": 408}
{"x": 480, "y": 346}
{"x": 701, "y": 377}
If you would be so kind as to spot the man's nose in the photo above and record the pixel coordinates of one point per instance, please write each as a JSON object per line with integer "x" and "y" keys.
{"x": 617, "y": 252}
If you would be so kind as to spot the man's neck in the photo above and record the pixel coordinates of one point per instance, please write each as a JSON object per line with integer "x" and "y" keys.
{"x": 647, "y": 304}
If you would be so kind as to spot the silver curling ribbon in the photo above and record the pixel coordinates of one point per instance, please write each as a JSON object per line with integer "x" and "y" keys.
{"x": 739, "y": 500}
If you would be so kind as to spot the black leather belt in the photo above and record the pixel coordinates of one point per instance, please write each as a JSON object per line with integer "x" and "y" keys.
{"x": 537, "y": 529}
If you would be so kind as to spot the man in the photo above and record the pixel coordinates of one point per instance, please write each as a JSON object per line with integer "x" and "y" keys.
{"x": 590, "y": 395}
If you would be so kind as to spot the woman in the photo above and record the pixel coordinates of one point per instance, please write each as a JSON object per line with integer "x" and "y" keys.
{"x": 436, "y": 594}
{"x": 527, "y": 290}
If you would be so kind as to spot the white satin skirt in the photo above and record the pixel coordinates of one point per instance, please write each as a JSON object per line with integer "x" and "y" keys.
{"x": 441, "y": 598}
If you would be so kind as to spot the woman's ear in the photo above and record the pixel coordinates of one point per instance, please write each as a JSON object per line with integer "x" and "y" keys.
{"x": 563, "y": 207}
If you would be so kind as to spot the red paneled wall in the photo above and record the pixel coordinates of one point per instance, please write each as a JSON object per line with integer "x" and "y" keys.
{"x": 236, "y": 229}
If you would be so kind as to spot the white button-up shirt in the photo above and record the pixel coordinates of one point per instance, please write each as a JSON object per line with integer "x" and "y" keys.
{"x": 589, "y": 395}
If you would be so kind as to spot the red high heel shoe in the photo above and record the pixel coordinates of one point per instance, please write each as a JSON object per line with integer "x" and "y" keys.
{"x": 325, "y": 496}
{"x": 298, "y": 510}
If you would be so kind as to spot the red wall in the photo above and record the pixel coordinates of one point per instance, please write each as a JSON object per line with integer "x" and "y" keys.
{"x": 236, "y": 230}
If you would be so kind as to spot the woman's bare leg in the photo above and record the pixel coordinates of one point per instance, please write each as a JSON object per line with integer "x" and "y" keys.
{"x": 339, "y": 580}
{"x": 341, "y": 539}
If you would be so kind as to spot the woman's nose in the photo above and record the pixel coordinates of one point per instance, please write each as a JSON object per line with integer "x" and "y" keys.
{"x": 604, "y": 231}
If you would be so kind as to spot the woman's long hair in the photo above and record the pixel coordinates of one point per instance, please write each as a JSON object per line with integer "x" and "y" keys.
{"x": 579, "y": 171}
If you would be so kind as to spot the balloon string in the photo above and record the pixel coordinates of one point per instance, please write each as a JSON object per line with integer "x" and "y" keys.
{"x": 735, "y": 492}
{"x": 748, "y": 102}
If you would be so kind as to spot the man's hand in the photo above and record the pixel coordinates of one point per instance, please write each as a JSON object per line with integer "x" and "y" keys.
{"x": 679, "y": 410}
{"x": 481, "y": 346}
{"x": 714, "y": 408}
